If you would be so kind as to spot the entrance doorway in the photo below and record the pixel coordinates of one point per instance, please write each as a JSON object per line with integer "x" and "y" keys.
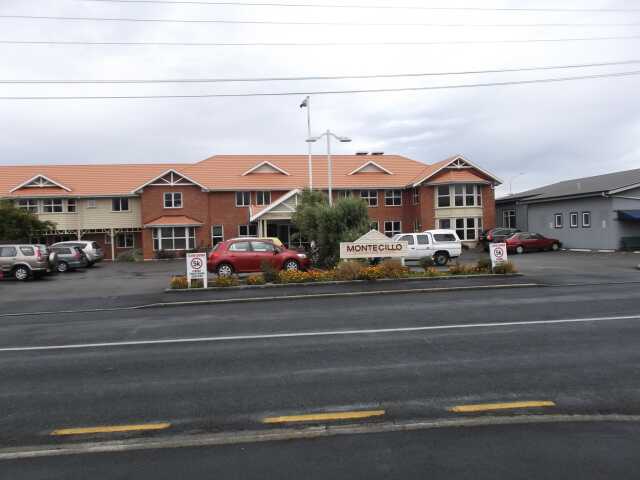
{"x": 286, "y": 232}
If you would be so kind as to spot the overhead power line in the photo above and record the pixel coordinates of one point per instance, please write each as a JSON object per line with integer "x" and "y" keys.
{"x": 311, "y": 23}
{"x": 367, "y": 7}
{"x": 322, "y": 77}
{"x": 330, "y": 92}
{"x": 318, "y": 44}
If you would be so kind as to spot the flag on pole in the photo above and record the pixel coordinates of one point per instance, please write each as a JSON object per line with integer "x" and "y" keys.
{"x": 305, "y": 103}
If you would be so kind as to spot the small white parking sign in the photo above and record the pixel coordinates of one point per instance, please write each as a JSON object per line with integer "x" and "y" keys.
{"x": 197, "y": 268}
{"x": 498, "y": 253}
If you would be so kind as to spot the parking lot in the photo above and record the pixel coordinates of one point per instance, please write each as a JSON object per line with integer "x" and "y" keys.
{"x": 126, "y": 284}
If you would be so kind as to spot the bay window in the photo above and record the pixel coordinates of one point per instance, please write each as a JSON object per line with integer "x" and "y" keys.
{"x": 463, "y": 195}
{"x": 174, "y": 238}
{"x": 468, "y": 229}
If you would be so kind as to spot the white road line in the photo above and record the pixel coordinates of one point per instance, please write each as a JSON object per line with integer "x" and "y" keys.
{"x": 268, "y": 336}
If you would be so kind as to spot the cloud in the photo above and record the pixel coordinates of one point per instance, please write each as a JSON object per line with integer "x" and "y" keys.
{"x": 548, "y": 131}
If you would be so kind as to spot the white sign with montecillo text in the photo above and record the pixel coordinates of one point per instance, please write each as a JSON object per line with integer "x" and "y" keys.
{"x": 197, "y": 268}
{"x": 374, "y": 245}
{"x": 498, "y": 252}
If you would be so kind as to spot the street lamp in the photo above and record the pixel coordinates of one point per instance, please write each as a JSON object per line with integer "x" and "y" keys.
{"x": 329, "y": 134}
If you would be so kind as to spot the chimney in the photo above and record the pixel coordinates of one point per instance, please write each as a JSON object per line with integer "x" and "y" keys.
{"x": 362, "y": 153}
{"x": 377, "y": 153}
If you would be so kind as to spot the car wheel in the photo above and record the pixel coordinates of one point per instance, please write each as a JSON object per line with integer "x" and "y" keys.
{"x": 440, "y": 259}
{"x": 519, "y": 249}
{"x": 62, "y": 267}
{"x": 21, "y": 273}
{"x": 291, "y": 266}
{"x": 555, "y": 247}
{"x": 224, "y": 270}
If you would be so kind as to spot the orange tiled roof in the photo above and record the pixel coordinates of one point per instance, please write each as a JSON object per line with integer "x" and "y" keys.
{"x": 173, "y": 220}
{"x": 221, "y": 172}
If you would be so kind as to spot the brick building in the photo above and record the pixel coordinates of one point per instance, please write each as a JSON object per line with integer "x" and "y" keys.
{"x": 177, "y": 207}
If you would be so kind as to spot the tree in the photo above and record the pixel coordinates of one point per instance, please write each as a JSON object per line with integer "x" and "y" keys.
{"x": 17, "y": 225}
{"x": 326, "y": 226}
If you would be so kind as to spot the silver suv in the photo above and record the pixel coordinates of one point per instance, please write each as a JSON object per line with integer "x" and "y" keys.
{"x": 25, "y": 261}
{"x": 91, "y": 249}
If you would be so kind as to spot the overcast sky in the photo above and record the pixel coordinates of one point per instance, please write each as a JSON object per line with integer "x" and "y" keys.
{"x": 547, "y": 132}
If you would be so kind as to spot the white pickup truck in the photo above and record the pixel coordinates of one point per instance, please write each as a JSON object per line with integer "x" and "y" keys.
{"x": 441, "y": 245}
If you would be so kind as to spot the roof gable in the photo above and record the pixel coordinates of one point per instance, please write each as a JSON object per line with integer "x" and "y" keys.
{"x": 170, "y": 178}
{"x": 265, "y": 167}
{"x": 40, "y": 181}
{"x": 456, "y": 163}
{"x": 370, "y": 167}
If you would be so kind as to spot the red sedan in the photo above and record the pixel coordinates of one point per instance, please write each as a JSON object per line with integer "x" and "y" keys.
{"x": 526, "y": 242}
{"x": 247, "y": 255}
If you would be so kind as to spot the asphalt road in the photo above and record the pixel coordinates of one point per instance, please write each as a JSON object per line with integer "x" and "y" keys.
{"x": 228, "y": 367}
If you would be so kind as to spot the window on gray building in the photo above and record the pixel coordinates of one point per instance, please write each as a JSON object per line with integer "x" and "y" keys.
{"x": 557, "y": 220}
{"x": 573, "y": 219}
{"x": 586, "y": 219}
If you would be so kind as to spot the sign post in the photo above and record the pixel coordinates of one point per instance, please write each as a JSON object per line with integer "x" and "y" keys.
{"x": 498, "y": 252}
{"x": 374, "y": 245}
{"x": 197, "y": 268}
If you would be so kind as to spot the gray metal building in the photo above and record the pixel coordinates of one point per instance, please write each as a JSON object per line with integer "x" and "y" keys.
{"x": 601, "y": 212}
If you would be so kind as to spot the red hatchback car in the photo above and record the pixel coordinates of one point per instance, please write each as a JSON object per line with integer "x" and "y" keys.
{"x": 525, "y": 241}
{"x": 246, "y": 255}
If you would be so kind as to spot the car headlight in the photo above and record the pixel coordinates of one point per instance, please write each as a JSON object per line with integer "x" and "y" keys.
{"x": 302, "y": 255}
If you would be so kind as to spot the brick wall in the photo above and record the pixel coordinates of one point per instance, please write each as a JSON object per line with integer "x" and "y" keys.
{"x": 488, "y": 207}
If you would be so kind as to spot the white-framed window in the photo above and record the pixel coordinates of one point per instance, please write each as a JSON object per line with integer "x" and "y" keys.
{"x": 392, "y": 227}
{"x": 173, "y": 200}
{"x": 444, "y": 195}
{"x": 468, "y": 228}
{"x": 217, "y": 234}
{"x": 393, "y": 198}
{"x": 370, "y": 196}
{"x": 463, "y": 195}
{"x": 509, "y": 219}
{"x": 573, "y": 220}
{"x": 344, "y": 193}
{"x": 91, "y": 203}
{"x": 263, "y": 198}
{"x": 558, "y": 220}
{"x": 125, "y": 240}
{"x": 415, "y": 196}
{"x": 174, "y": 238}
{"x": 52, "y": 205}
{"x": 586, "y": 219}
{"x": 28, "y": 204}
{"x": 250, "y": 230}
{"x": 120, "y": 204}
{"x": 243, "y": 199}
{"x": 72, "y": 205}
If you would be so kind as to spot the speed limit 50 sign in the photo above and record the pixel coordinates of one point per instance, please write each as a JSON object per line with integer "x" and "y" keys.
{"x": 498, "y": 253}
{"x": 197, "y": 268}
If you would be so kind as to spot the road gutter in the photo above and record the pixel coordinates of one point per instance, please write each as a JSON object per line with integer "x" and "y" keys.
{"x": 281, "y": 434}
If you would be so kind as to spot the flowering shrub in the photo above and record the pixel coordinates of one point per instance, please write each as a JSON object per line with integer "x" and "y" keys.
{"x": 229, "y": 281}
{"x": 256, "y": 280}
{"x": 348, "y": 270}
{"x": 393, "y": 269}
{"x": 371, "y": 273}
{"x": 179, "y": 282}
{"x": 294, "y": 276}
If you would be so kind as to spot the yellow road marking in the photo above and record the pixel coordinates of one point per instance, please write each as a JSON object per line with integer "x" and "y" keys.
{"x": 485, "y": 407}
{"x": 331, "y": 416}
{"x": 111, "y": 429}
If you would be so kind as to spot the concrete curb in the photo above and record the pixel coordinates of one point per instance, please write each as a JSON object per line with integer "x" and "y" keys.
{"x": 281, "y": 434}
{"x": 341, "y": 294}
{"x": 342, "y": 282}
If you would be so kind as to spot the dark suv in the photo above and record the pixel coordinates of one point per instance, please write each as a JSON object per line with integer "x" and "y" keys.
{"x": 496, "y": 235}
{"x": 246, "y": 255}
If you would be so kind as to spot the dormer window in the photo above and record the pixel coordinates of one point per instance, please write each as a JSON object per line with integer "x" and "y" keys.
{"x": 371, "y": 167}
{"x": 265, "y": 167}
